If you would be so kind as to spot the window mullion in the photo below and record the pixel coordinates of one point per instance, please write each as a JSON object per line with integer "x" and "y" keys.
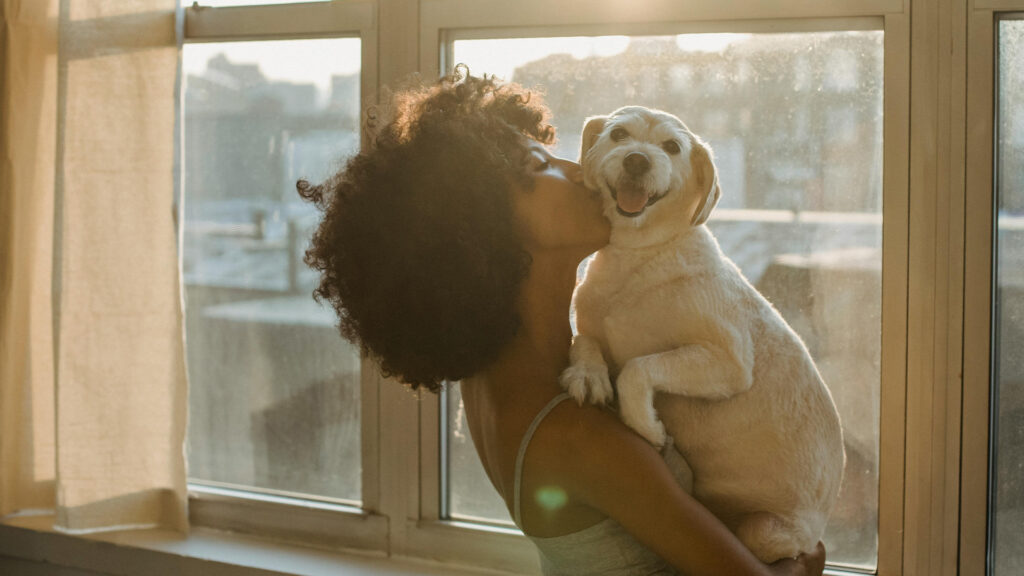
{"x": 398, "y": 430}
{"x": 314, "y": 19}
{"x": 895, "y": 206}
{"x": 526, "y": 13}
{"x": 431, "y": 444}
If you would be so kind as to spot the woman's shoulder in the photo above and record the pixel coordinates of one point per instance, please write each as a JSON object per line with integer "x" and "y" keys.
{"x": 579, "y": 446}
{"x": 570, "y": 452}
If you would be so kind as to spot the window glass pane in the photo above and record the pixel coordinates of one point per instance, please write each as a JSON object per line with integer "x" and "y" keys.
{"x": 795, "y": 121}
{"x": 274, "y": 400}
{"x": 1008, "y": 490}
{"x": 470, "y": 495}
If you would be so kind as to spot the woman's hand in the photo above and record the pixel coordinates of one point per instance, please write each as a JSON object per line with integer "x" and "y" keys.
{"x": 810, "y": 564}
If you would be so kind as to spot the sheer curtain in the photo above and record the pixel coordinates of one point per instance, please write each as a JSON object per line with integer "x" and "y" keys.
{"x": 92, "y": 380}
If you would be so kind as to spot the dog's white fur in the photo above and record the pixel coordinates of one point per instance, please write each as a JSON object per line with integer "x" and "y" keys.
{"x": 662, "y": 310}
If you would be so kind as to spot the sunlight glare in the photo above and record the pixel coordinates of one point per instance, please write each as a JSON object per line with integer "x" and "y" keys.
{"x": 296, "y": 61}
{"x": 502, "y": 57}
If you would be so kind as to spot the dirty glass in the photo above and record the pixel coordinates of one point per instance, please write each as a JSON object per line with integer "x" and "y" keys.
{"x": 274, "y": 391}
{"x": 1007, "y": 512}
{"x": 795, "y": 123}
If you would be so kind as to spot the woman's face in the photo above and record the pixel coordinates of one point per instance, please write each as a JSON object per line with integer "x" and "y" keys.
{"x": 559, "y": 212}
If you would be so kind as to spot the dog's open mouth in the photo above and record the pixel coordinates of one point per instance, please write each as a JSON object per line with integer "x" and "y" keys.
{"x": 631, "y": 201}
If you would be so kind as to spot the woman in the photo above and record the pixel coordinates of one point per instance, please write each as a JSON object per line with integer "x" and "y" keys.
{"x": 449, "y": 251}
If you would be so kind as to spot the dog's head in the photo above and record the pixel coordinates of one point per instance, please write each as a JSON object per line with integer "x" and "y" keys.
{"x": 648, "y": 166}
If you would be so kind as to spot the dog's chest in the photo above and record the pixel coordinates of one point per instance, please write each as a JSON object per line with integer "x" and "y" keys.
{"x": 636, "y": 306}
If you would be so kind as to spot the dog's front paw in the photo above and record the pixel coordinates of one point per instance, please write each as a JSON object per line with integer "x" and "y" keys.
{"x": 584, "y": 379}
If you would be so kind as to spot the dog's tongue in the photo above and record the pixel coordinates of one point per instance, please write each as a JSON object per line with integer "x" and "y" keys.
{"x": 631, "y": 200}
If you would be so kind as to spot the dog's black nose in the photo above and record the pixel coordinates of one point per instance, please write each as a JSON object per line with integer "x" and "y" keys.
{"x": 636, "y": 164}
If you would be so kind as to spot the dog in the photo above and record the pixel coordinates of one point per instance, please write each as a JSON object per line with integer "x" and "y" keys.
{"x": 697, "y": 354}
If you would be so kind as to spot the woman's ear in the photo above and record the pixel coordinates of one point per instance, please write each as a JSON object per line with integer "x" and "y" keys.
{"x": 703, "y": 170}
{"x": 591, "y": 130}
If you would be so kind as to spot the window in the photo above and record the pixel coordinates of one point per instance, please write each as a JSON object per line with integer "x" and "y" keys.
{"x": 906, "y": 194}
{"x": 812, "y": 147}
{"x": 800, "y": 214}
{"x": 282, "y": 409}
{"x": 1007, "y": 492}
{"x": 657, "y": 52}
{"x": 274, "y": 391}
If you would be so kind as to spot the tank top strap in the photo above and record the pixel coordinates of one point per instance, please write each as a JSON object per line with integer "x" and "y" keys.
{"x": 517, "y": 481}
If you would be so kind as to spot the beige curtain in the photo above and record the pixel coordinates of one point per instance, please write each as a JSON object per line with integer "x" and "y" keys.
{"x": 92, "y": 379}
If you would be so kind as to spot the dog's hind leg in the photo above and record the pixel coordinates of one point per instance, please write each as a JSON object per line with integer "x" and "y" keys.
{"x": 771, "y": 537}
{"x": 694, "y": 370}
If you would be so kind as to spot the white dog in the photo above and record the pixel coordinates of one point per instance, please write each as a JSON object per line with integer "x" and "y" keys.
{"x": 663, "y": 310}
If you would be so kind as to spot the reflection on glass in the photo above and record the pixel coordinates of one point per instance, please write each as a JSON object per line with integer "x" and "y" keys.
{"x": 274, "y": 400}
{"x": 795, "y": 121}
{"x": 1008, "y": 386}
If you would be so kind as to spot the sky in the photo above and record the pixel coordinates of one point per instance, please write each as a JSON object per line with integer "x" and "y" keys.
{"x": 315, "y": 61}
{"x": 298, "y": 61}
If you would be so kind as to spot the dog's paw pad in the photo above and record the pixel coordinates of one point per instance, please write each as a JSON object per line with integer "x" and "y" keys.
{"x": 574, "y": 383}
{"x": 587, "y": 380}
{"x": 601, "y": 391}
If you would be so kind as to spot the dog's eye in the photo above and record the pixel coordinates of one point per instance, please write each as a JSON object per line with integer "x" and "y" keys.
{"x": 619, "y": 134}
{"x": 670, "y": 146}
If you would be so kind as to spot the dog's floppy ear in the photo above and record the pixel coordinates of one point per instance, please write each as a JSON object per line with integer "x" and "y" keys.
{"x": 705, "y": 173}
{"x": 591, "y": 130}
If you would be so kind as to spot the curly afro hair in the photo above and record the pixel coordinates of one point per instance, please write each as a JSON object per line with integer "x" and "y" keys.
{"x": 418, "y": 251}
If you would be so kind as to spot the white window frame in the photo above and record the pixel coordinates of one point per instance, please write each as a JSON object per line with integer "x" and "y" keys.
{"x": 284, "y": 516}
{"x": 937, "y": 250}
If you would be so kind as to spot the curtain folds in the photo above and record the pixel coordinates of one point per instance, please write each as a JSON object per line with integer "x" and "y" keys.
{"x": 28, "y": 105}
{"x": 92, "y": 378}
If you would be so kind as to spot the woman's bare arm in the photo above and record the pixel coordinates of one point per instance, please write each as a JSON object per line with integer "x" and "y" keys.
{"x": 605, "y": 465}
